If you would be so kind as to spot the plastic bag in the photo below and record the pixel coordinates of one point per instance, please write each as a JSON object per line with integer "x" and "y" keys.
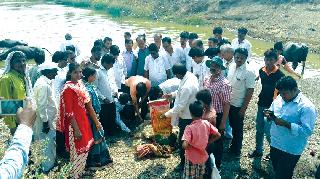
{"x": 160, "y": 126}
{"x": 215, "y": 174}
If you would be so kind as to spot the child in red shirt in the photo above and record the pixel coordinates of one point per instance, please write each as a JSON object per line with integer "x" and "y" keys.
{"x": 195, "y": 139}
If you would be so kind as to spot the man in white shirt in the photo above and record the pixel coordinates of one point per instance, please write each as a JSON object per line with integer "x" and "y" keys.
{"x": 69, "y": 44}
{"x": 184, "y": 36}
{"x": 157, "y": 40}
{"x": 184, "y": 96}
{"x": 199, "y": 68}
{"x": 156, "y": 67}
{"x": 242, "y": 80}
{"x": 106, "y": 90}
{"x": 119, "y": 67}
{"x": 241, "y": 42}
{"x": 170, "y": 85}
{"x": 44, "y": 128}
{"x": 129, "y": 57}
{"x": 61, "y": 58}
{"x": 227, "y": 53}
{"x": 191, "y": 38}
{"x": 174, "y": 55}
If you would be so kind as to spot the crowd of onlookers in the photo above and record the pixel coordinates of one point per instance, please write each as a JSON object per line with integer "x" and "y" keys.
{"x": 78, "y": 105}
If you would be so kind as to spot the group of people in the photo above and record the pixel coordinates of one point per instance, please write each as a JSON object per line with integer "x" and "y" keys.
{"x": 79, "y": 105}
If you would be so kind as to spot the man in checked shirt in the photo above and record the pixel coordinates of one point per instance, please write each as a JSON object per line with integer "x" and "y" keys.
{"x": 220, "y": 89}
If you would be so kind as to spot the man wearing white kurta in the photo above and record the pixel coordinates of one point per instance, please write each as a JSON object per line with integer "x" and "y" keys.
{"x": 184, "y": 96}
{"x": 119, "y": 67}
{"x": 44, "y": 127}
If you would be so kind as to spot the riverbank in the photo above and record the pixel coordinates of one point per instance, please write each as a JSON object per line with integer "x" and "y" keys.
{"x": 267, "y": 21}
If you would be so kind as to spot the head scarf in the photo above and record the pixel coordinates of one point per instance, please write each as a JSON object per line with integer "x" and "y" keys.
{"x": 7, "y": 69}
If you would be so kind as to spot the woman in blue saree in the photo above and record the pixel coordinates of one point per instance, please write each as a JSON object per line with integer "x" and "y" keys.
{"x": 99, "y": 154}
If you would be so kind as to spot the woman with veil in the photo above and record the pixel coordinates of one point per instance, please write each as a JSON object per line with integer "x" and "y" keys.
{"x": 14, "y": 83}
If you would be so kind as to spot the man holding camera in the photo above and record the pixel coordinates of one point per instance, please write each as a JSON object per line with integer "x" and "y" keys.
{"x": 293, "y": 118}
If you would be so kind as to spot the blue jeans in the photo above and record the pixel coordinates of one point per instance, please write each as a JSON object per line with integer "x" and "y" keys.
{"x": 262, "y": 127}
{"x": 228, "y": 132}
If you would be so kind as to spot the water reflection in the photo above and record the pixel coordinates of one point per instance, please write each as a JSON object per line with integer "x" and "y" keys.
{"x": 44, "y": 25}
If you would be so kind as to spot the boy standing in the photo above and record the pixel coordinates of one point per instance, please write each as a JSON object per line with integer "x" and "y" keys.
{"x": 195, "y": 140}
{"x": 269, "y": 75}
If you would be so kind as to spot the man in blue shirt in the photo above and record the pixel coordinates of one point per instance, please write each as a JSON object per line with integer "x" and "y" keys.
{"x": 143, "y": 52}
{"x": 16, "y": 156}
{"x": 293, "y": 118}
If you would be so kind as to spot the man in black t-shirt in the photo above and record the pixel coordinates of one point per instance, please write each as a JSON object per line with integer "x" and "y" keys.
{"x": 269, "y": 75}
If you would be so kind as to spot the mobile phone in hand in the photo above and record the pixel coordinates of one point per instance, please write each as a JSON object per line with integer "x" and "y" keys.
{"x": 269, "y": 114}
{"x": 9, "y": 107}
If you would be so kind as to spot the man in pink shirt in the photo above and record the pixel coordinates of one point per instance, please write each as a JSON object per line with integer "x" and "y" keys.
{"x": 195, "y": 141}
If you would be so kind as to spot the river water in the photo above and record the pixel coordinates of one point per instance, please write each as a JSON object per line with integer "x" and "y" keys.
{"x": 44, "y": 25}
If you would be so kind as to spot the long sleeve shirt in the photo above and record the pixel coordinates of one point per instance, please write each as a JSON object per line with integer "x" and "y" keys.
{"x": 185, "y": 95}
{"x": 16, "y": 156}
{"x": 103, "y": 87}
{"x": 129, "y": 58}
{"x": 58, "y": 83}
{"x": 187, "y": 59}
{"x": 302, "y": 115}
{"x": 201, "y": 71}
{"x": 46, "y": 105}
{"x": 12, "y": 86}
{"x": 120, "y": 71}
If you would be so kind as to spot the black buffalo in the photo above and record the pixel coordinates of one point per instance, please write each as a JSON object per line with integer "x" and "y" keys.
{"x": 30, "y": 52}
{"x": 296, "y": 53}
{"x": 8, "y": 43}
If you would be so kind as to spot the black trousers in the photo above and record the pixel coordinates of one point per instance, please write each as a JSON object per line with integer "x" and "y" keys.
{"x": 236, "y": 123}
{"x": 218, "y": 144}
{"x": 182, "y": 126}
{"x": 60, "y": 145}
{"x": 128, "y": 113}
{"x": 108, "y": 118}
{"x": 144, "y": 108}
{"x": 283, "y": 163}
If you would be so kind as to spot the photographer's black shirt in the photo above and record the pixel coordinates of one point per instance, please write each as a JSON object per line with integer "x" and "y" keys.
{"x": 268, "y": 82}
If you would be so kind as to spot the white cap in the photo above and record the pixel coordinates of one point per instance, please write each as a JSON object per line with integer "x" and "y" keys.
{"x": 47, "y": 66}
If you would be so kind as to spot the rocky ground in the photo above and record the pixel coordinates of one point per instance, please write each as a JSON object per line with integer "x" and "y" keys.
{"x": 127, "y": 166}
{"x": 271, "y": 20}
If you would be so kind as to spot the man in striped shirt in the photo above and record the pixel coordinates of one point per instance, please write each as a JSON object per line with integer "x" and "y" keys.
{"x": 220, "y": 89}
